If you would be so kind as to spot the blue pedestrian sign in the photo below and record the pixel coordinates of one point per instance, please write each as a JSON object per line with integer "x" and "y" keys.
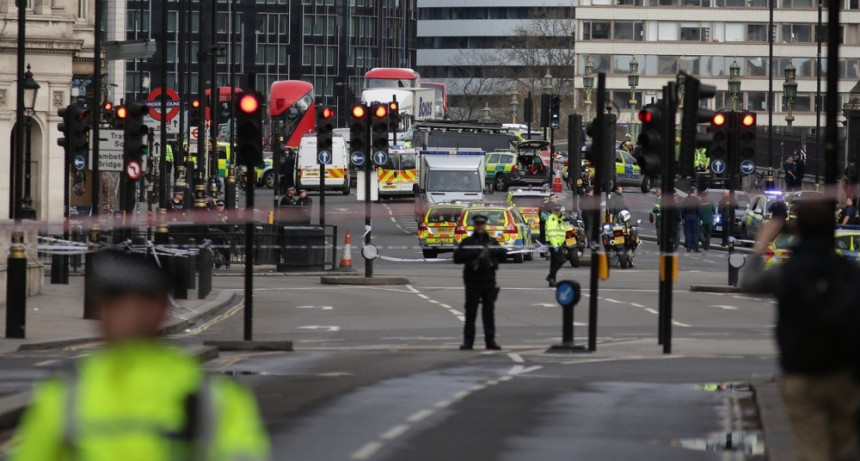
{"x": 718, "y": 166}
{"x": 554, "y": 124}
{"x": 747, "y": 167}
{"x": 80, "y": 162}
{"x": 567, "y": 292}
{"x": 380, "y": 157}
{"x": 357, "y": 158}
{"x": 324, "y": 157}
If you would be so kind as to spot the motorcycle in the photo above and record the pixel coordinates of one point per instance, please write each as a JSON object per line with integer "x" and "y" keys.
{"x": 575, "y": 241}
{"x": 621, "y": 239}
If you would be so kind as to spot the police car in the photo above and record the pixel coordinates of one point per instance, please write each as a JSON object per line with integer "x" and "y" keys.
{"x": 504, "y": 223}
{"x": 436, "y": 229}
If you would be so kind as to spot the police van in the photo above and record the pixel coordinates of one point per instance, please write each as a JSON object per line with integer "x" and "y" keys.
{"x": 336, "y": 171}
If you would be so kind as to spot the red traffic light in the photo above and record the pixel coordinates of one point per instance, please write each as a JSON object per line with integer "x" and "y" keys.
{"x": 249, "y": 104}
{"x": 646, "y": 116}
{"x": 195, "y": 104}
{"x": 121, "y": 112}
{"x": 748, "y": 120}
{"x": 380, "y": 112}
{"x": 393, "y": 106}
{"x": 719, "y": 119}
{"x": 358, "y": 112}
{"x": 327, "y": 113}
{"x": 108, "y": 106}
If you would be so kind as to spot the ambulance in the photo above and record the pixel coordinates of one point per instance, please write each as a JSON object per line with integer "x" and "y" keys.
{"x": 336, "y": 171}
{"x": 398, "y": 177}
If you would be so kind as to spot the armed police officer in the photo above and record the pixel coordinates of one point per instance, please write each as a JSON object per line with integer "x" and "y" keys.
{"x": 138, "y": 398}
{"x": 555, "y": 239}
{"x": 480, "y": 254}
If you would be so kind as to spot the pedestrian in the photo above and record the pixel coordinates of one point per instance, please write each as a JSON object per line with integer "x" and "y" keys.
{"x": 545, "y": 211}
{"x": 305, "y": 205}
{"x": 849, "y": 179}
{"x": 848, "y": 213}
{"x": 790, "y": 174}
{"x": 555, "y": 237}
{"x": 707, "y": 227}
{"x": 589, "y": 205}
{"x": 800, "y": 166}
{"x": 655, "y": 214}
{"x": 691, "y": 209}
{"x": 617, "y": 203}
{"x": 286, "y": 170}
{"x": 725, "y": 209}
{"x": 480, "y": 255}
{"x": 138, "y": 398}
{"x": 289, "y": 199}
{"x": 816, "y": 331}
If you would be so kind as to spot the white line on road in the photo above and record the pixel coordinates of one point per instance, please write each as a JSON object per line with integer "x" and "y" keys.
{"x": 320, "y": 327}
{"x": 443, "y": 403}
{"x": 423, "y": 296}
{"x": 648, "y": 309}
{"x": 369, "y": 449}
{"x": 393, "y": 220}
{"x": 613, "y": 301}
{"x": 419, "y": 415}
{"x": 543, "y": 304}
{"x": 521, "y": 370}
{"x": 461, "y": 394}
{"x": 679, "y": 324}
{"x": 445, "y": 306}
{"x": 506, "y": 378}
{"x": 725, "y": 307}
{"x": 433, "y": 301}
{"x": 325, "y": 308}
{"x": 45, "y": 363}
{"x": 637, "y": 305}
{"x": 394, "y": 432}
{"x": 516, "y": 357}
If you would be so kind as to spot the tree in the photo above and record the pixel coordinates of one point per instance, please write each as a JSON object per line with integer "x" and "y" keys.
{"x": 474, "y": 83}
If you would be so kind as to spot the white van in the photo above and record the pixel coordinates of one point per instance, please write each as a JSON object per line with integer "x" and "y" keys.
{"x": 336, "y": 172}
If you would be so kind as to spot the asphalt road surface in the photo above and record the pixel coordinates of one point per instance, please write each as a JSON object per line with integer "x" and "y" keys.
{"x": 376, "y": 374}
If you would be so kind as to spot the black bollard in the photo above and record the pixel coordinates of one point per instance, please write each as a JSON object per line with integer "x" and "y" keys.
{"x": 567, "y": 293}
{"x": 16, "y": 289}
{"x": 59, "y": 269}
{"x": 179, "y": 269}
{"x": 192, "y": 265}
{"x": 204, "y": 271}
{"x": 76, "y": 259}
{"x": 736, "y": 261}
{"x": 90, "y": 312}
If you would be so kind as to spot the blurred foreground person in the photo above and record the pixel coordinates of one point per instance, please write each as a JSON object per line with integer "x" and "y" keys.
{"x": 816, "y": 332}
{"x": 138, "y": 398}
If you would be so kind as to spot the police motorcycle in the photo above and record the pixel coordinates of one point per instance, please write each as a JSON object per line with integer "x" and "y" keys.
{"x": 621, "y": 239}
{"x": 574, "y": 239}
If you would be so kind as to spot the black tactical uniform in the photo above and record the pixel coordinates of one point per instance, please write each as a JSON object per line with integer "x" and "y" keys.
{"x": 480, "y": 255}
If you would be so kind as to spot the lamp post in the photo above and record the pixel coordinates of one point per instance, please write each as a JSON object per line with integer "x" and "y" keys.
{"x": 31, "y": 89}
{"x": 633, "y": 81}
{"x": 547, "y": 90}
{"x": 515, "y": 106}
{"x": 588, "y": 83}
{"x": 486, "y": 111}
{"x": 789, "y": 92}
{"x": 735, "y": 83}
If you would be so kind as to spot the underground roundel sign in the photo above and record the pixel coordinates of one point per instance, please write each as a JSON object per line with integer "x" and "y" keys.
{"x": 154, "y": 103}
{"x": 133, "y": 170}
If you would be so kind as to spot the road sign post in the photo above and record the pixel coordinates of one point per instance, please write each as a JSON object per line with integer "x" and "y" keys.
{"x": 567, "y": 294}
{"x": 747, "y": 167}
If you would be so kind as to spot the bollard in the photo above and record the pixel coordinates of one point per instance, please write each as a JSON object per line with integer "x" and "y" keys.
{"x": 161, "y": 231}
{"x": 192, "y": 265}
{"x": 204, "y": 271}
{"x": 567, "y": 294}
{"x": 230, "y": 189}
{"x": 736, "y": 261}
{"x": 16, "y": 289}
{"x": 59, "y": 269}
{"x": 76, "y": 259}
{"x": 179, "y": 269}
{"x": 90, "y": 312}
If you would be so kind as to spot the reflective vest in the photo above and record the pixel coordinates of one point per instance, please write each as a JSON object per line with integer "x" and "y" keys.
{"x": 555, "y": 231}
{"x": 141, "y": 400}
{"x": 701, "y": 159}
{"x": 168, "y": 154}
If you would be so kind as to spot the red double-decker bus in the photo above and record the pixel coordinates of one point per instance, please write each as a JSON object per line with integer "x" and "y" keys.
{"x": 291, "y": 111}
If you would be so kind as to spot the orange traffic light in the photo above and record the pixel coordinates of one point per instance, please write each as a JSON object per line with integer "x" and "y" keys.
{"x": 108, "y": 106}
{"x": 748, "y": 120}
{"x": 121, "y": 112}
{"x": 249, "y": 104}
{"x": 719, "y": 119}
{"x": 195, "y": 104}
{"x": 393, "y": 106}
{"x": 358, "y": 112}
{"x": 381, "y": 111}
{"x": 327, "y": 113}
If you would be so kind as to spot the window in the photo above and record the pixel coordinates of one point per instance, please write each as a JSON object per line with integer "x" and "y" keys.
{"x": 329, "y": 51}
{"x": 667, "y": 65}
{"x": 596, "y": 30}
{"x": 83, "y": 8}
{"x": 690, "y": 65}
{"x": 171, "y": 51}
{"x": 693, "y": 34}
{"x": 756, "y": 67}
{"x": 308, "y": 25}
{"x": 195, "y": 22}
{"x": 797, "y": 33}
{"x": 628, "y": 31}
{"x": 138, "y": 20}
{"x": 757, "y": 32}
{"x": 283, "y": 24}
{"x": 319, "y": 23}
{"x": 308, "y": 55}
{"x": 756, "y": 100}
{"x": 260, "y": 25}
{"x": 319, "y": 55}
{"x": 797, "y": 3}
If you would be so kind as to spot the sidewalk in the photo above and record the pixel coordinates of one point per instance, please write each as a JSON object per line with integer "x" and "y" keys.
{"x": 55, "y": 317}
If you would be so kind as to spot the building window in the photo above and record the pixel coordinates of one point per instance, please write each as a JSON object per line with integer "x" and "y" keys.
{"x": 596, "y": 30}
{"x": 283, "y": 24}
{"x": 690, "y": 65}
{"x": 757, "y": 32}
{"x": 329, "y": 52}
{"x": 797, "y": 3}
{"x": 307, "y": 55}
{"x": 171, "y": 51}
{"x": 83, "y": 8}
{"x": 797, "y": 33}
{"x": 319, "y": 56}
{"x": 667, "y": 65}
{"x": 756, "y": 100}
{"x": 756, "y": 67}
{"x": 624, "y": 30}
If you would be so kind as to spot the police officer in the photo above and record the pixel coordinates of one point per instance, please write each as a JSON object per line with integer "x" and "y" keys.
{"x": 138, "y": 398}
{"x": 656, "y": 213}
{"x": 480, "y": 254}
{"x": 555, "y": 236}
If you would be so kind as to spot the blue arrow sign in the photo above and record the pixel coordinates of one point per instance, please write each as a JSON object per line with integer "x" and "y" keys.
{"x": 554, "y": 124}
{"x": 380, "y": 157}
{"x": 357, "y": 158}
{"x": 718, "y": 166}
{"x": 567, "y": 292}
{"x": 324, "y": 157}
{"x": 747, "y": 167}
{"x": 80, "y": 162}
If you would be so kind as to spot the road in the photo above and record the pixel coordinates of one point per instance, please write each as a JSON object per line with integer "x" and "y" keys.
{"x": 377, "y": 375}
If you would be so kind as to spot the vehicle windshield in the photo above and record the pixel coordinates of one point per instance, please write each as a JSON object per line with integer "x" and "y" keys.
{"x": 454, "y": 181}
{"x": 625, "y": 156}
{"x": 784, "y": 241}
{"x": 389, "y": 83}
{"x": 527, "y": 201}
{"x": 494, "y": 217}
{"x": 444, "y": 215}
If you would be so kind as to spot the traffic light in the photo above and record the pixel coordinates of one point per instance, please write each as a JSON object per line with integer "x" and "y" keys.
{"x": 63, "y": 127}
{"x": 108, "y": 113}
{"x": 79, "y": 128}
{"x": 249, "y": 128}
{"x": 393, "y": 116}
{"x": 325, "y": 128}
{"x": 601, "y": 154}
{"x": 134, "y": 131}
{"x": 720, "y": 135}
{"x": 120, "y": 116}
{"x": 692, "y": 115}
{"x": 544, "y": 110}
{"x": 651, "y": 139}
{"x": 746, "y": 134}
{"x": 379, "y": 127}
{"x": 194, "y": 113}
{"x": 554, "y": 112}
{"x": 358, "y": 129}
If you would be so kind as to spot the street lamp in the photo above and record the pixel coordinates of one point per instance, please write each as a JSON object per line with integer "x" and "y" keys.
{"x": 515, "y": 107}
{"x": 31, "y": 89}
{"x": 588, "y": 83}
{"x": 547, "y": 83}
{"x": 547, "y": 90}
{"x": 486, "y": 111}
{"x": 735, "y": 83}
{"x": 633, "y": 82}
{"x": 789, "y": 89}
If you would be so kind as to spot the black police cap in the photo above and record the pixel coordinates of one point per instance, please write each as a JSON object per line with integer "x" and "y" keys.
{"x": 479, "y": 219}
{"x": 115, "y": 272}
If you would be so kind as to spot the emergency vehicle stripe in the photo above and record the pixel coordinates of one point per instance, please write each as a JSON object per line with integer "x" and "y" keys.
{"x": 335, "y": 172}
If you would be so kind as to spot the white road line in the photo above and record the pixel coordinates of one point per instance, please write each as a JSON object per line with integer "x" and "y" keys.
{"x": 521, "y": 370}
{"x": 725, "y": 307}
{"x": 610, "y": 300}
{"x": 648, "y": 309}
{"x": 506, "y": 378}
{"x": 419, "y": 415}
{"x": 369, "y": 449}
{"x": 516, "y": 357}
{"x": 637, "y": 305}
{"x": 461, "y": 394}
{"x": 445, "y": 306}
{"x": 394, "y": 432}
{"x": 45, "y": 363}
{"x": 433, "y": 301}
{"x": 443, "y": 404}
{"x": 393, "y": 220}
{"x": 492, "y": 382}
{"x": 423, "y": 296}
{"x": 679, "y": 324}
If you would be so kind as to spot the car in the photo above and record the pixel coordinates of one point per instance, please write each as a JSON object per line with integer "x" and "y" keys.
{"x": 500, "y": 167}
{"x": 526, "y": 167}
{"x": 436, "y": 229}
{"x": 742, "y": 201}
{"x": 757, "y": 213}
{"x": 627, "y": 172}
{"x": 528, "y": 201}
{"x": 504, "y": 223}
{"x": 848, "y": 241}
{"x": 779, "y": 250}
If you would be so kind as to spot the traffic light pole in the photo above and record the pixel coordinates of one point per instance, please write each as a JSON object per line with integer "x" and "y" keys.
{"x": 599, "y": 143}
{"x": 668, "y": 223}
{"x": 368, "y": 262}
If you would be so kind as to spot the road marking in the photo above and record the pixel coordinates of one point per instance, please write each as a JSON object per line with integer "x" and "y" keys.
{"x": 205, "y": 325}
{"x": 492, "y": 382}
{"x": 46, "y": 363}
{"x": 433, "y": 301}
{"x": 325, "y": 308}
{"x": 445, "y": 306}
{"x": 520, "y": 370}
{"x": 423, "y": 296}
{"x": 543, "y": 304}
{"x": 443, "y": 403}
{"x": 320, "y": 327}
{"x": 506, "y": 378}
{"x": 394, "y": 432}
{"x": 637, "y": 305}
{"x": 419, "y": 415}
{"x": 334, "y": 374}
{"x": 369, "y": 449}
{"x": 648, "y": 309}
{"x": 613, "y": 301}
{"x": 728, "y": 308}
{"x": 393, "y": 220}
{"x": 679, "y": 324}
{"x": 516, "y": 357}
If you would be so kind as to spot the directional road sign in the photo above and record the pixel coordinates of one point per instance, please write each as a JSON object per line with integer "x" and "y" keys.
{"x": 324, "y": 157}
{"x": 747, "y": 166}
{"x": 80, "y": 162}
{"x": 567, "y": 292}
{"x": 380, "y": 157}
{"x": 357, "y": 158}
{"x": 133, "y": 170}
{"x": 718, "y": 166}
{"x": 554, "y": 124}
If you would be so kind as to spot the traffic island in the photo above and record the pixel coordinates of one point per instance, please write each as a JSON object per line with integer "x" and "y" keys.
{"x": 363, "y": 281}
{"x": 714, "y": 289}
